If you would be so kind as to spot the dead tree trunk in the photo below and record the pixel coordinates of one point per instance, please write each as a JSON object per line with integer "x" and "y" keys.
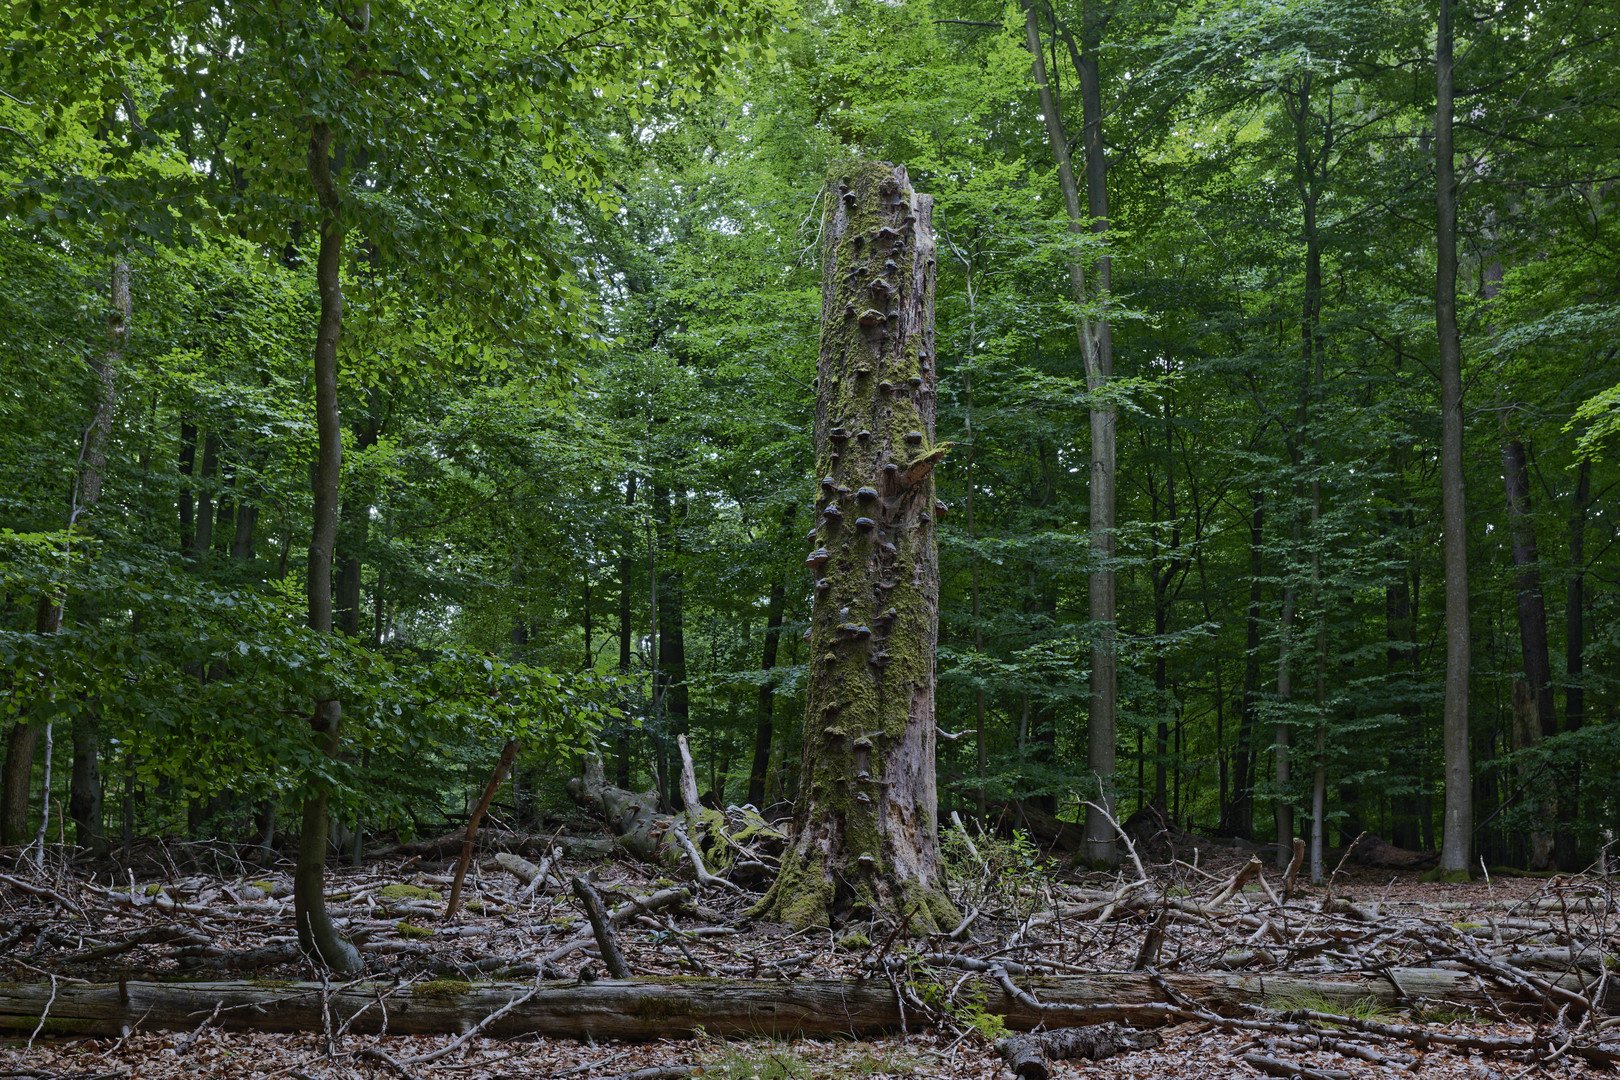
{"x": 864, "y": 838}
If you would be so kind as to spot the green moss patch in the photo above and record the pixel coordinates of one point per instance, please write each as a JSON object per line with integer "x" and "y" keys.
{"x": 411, "y": 930}
{"x": 442, "y": 989}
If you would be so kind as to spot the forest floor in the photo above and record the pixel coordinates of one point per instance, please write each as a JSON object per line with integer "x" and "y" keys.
{"x": 1529, "y": 950}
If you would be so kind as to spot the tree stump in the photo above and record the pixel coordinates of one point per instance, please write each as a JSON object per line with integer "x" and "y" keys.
{"x": 864, "y": 836}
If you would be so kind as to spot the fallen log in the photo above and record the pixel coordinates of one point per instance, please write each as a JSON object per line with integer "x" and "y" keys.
{"x": 1028, "y": 1055}
{"x": 641, "y": 1010}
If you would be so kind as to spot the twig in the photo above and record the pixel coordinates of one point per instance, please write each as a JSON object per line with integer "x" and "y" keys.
{"x": 41, "y": 1026}
{"x": 377, "y": 1054}
{"x": 962, "y": 927}
{"x": 675, "y": 935}
{"x": 186, "y": 1043}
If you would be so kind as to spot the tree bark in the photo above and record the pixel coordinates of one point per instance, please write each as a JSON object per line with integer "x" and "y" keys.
{"x": 1102, "y": 705}
{"x": 1027, "y": 1056}
{"x": 316, "y": 934}
{"x": 1457, "y": 833}
{"x": 865, "y": 839}
{"x": 1283, "y": 733}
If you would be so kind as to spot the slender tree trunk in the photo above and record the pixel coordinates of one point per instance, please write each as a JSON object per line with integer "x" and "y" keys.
{"x": 316, "y": 934}
{"x": 1284, "y": 729}
{"x": 1097, "y": 346}
{"x": 187, "y": 504}
{"x": 981, "y": 737}
{"x": 208, "y": 479}
{"x": 85, "y": 796}
{"x": 1102, "y": 704}
{"x": 1532, "y": 614}
{"x": 1161, "y": 696}
{"x": 20, "y": 744}
{"x": 1458, "y": 828}
{"x": 87, "y": 484}
{"x": 245, "y": 522}
{"x": 670, "y": 674}
{"x": 764, "y": 726}
{"x": 627, "y": 557}
{"x": 1406, "y": 809}
{"x": 1243, "y": 772}
{"x": 865, "y": 837}
{"x": 1574, "y": 662}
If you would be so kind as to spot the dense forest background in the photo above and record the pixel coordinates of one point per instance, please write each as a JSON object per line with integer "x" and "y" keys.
{"x": 580, "y": 321}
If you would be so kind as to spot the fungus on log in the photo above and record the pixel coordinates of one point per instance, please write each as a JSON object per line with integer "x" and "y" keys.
{"x": 864, "y": 830}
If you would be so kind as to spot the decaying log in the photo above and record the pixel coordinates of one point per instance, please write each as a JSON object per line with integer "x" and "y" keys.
{"x": 654, "y": 1009}
{"x": 643, "y": 830}
{"x": 1027, "y": 1055}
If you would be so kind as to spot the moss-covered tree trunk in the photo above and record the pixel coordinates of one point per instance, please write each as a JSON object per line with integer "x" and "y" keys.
{"x": 864, "y": 837}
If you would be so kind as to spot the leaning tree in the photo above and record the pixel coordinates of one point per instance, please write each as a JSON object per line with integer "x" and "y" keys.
{"x": 864, "y": 836}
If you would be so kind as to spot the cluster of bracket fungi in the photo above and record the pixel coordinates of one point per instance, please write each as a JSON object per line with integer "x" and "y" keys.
{"x": 876, "y": 514}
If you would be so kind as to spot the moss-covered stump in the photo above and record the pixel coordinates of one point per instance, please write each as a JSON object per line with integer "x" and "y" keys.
{"x": 864, "y": 831}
